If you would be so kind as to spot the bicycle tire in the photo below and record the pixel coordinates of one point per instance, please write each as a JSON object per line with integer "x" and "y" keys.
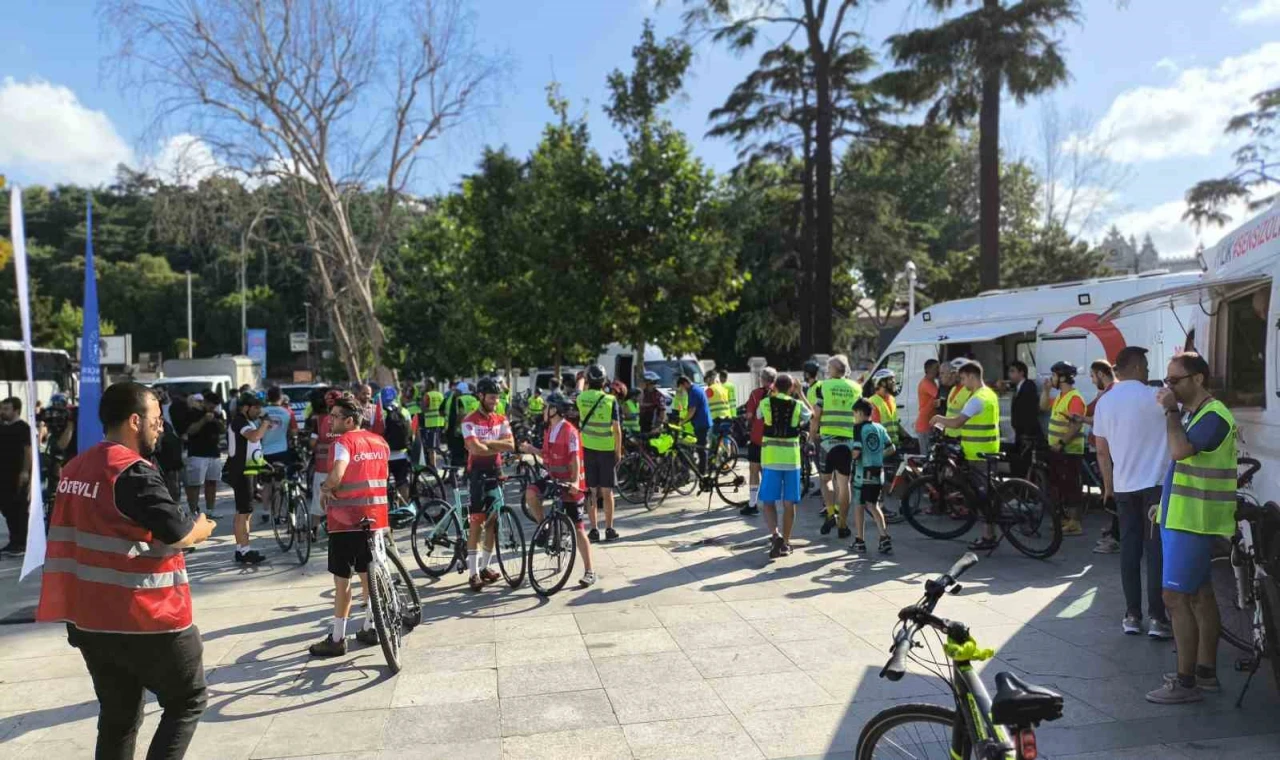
{"x": 1237, "y": 624}
{"x": 510, "y": 536}
{"x": 917, "y": 511}
{"x": 732, "y": 489}
{"x": 384, "y": 618}
{"x": 406, "y": 589}
{"x": 427, "y": 484}
{"x": 629, "y": 476}
{"x": 944, "y": 718}
{"x": 1269, "y": 598}
{"x": 726, "y": 454}
{"x": 560, "y": 546}
{"x": 281, "y": 527}
{"x": 431, "y": 546}
{"x": 300, "y": 522}
{"x": 1007, "y": 490}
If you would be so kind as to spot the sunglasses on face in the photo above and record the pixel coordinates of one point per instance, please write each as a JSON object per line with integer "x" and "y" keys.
{"x": 1172, "y": 381}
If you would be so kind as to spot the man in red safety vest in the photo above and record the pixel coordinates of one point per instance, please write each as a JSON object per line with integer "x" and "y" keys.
{"x": 115, "y": 574}
{"x": 356, "y": 489}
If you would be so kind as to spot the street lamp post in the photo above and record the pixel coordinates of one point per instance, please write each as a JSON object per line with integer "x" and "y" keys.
{"x": 911, "y": 289}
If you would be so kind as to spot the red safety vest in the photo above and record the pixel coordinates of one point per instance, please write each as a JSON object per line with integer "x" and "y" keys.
{"x": 103, "y": 571}
{"x": 363, "y": 490}
{"x": 558, "y": 457}
{"x": 323, "y": 452}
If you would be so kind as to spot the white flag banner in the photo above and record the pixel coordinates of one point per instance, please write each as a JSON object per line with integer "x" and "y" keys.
{"x": 35, "y": 518}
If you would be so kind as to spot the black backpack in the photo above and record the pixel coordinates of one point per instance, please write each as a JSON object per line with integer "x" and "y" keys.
{"x": 395, "y": 429}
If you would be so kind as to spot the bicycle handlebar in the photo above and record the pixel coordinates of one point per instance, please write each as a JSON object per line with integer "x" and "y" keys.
{"x": 1251, "y": 465}
{"x": 919, "y": 615}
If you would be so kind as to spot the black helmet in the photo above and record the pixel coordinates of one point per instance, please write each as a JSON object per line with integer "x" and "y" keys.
{"x": 560, "y": 403}
{"x": 811, "y": 367}
{"x": 487, "y": 385}
{"x": 595, "y": 374}
{"x": 1065, "y": 369}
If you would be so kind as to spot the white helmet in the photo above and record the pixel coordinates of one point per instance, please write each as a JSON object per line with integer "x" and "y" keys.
{"x": 882, "y": 375}
{"x": 958, "y": 362}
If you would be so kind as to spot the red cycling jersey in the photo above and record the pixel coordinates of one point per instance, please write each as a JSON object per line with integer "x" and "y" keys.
{"x": 484, "y": 428}
{"x": 757, "y": 424}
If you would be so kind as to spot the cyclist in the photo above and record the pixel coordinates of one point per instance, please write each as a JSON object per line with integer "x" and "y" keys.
{"x": 957, "y": 396}
{"x": 979, "y": 425}
{"x": 244, "y": 462}
{"x": 722, "y": 411}
{"x": 461, "y": 403}
{"x": 562, "y": 454}
{"x": 872, "y": 444}
{"x": 398, "y": 431}
{"x": 602, "y": 438}
{"x": 731, "y": 391}
{"x": 768, "y": 376}
{"x": 884, "y": 403}
{"x": 631, "y": 411}
{"x": 322, "y": 438}
{"x": 431, "y": 421}
{"x": 486, "y": 435}
{"x": 537, "y": 404}
{"x": 698, "y": 416}
{"x": 652, "y": 405}
{"x": 1066, "y": 442}
{"x": 779, "y": 414}
{"x": 352, "y": 493}
{"x": 282, "y": 428}
{"x": 833, "y": 421}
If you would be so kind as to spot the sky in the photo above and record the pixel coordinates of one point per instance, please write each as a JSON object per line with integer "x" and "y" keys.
{"x": 1153, "y": 83}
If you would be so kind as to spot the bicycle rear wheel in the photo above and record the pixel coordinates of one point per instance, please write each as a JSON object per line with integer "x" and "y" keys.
{"x": 938, "y": 510}
{"x": 1033, "y": 527}
{"x": 427, "y": 484}
{"x": 510, "y": 547}
{"x": 279, "y": 512}
{"x": 552, "y": 552}
{"x": 913, "y": 730}
{"x": 1236, "y": 614}
{"x": 726, "y": 454}
{"x": 1269, "y": 598}
{"x": 386, "y": 620}
{"x": 300, "y": 522}
{"x": 732, "y": 489}
{"x": 630, "y": 475}
{"x": 437, "y": 538}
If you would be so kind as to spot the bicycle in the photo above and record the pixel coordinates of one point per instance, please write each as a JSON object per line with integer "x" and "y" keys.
{"x": 949, "y": 507}
{"x": 1245, "y": 581}
{"x": 978, "y": 726}
{"x": 394, "y": 603}
{"x": 440, "y": 540}
{"x": 289, "y": 510}
{"x": 679, "y": 468}
{"x": 555, "y": 541}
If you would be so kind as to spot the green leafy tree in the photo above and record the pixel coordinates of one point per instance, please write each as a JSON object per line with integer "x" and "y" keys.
{"x": 1256, "y": 166}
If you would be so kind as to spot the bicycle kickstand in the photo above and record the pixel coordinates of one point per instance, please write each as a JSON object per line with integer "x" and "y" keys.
{"x": 1253, "y": 668}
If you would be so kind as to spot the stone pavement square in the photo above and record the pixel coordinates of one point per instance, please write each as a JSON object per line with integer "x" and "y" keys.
{"x": 693, "y": 645}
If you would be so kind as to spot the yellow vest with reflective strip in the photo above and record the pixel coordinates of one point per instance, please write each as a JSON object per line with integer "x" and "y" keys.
{"x": 956, "y": 399}
{"x": 888, "y": 409}
{"x": 597, "y": 426}
{"x": 1060, "y": 423}
{"x": 838, "y": 397}
{"x": 1203, "y": 499}
{"x": 431, "y": 416}
{"x": 718, "y": 402}
{"x": 780, "y": 446}
{"x": 981, "y": 434}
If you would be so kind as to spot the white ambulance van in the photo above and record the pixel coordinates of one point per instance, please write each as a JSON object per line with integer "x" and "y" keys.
{"x": 1040, "y": 326}
{"x": 1235, "y": 325}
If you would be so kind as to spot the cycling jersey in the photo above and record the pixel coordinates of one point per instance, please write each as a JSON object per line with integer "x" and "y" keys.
{"x": 484, "y": 428}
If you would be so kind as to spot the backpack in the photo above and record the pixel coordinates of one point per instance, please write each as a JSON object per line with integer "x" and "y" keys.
{"x": 395, "y": 429}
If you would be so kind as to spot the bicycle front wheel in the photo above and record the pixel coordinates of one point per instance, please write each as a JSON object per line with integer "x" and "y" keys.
{"x": 552, "y": 552}
{"x": 437, "y": 538}
{"x": 410, "y": 602}
{"x": 630, "y": 475}
{"x": 1235, "y": 613}
{"x": 385, "y": 619}
{"x": 510, "y": 547}
{"x": 280, "y": 524}
{"x": 913, "y": 730}
{"x": 300, "y": 521}
{"x": 938, "y": 509}
{"x": 1034, "y": 528}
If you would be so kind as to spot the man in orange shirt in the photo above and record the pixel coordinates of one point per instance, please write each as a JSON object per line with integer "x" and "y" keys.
{"x": 926, "y": 398}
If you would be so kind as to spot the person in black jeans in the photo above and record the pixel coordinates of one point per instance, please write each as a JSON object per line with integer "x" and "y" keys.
{"x": 15, "y": 473}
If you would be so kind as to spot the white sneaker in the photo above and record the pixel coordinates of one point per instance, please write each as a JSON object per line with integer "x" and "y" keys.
{"x": 589, "y": 578}
{"x": 1106, "y": 545}
{"x": 1132, "y": 625}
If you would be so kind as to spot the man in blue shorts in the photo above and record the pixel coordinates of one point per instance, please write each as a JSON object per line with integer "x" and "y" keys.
{"x": 1197, "y": 509}
{"x": 780, "y": 462}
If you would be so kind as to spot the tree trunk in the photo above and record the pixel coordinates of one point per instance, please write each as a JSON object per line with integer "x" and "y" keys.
{"x": 637, "y": 367}
{"x": 807, "y": 253}
{"x": 337, "y": 325}
{"x": 989, "y": 181}
{"x": 822, "y": 337}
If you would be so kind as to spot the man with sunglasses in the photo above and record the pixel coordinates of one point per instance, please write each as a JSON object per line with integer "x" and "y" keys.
{"x": 1197, "y": 509}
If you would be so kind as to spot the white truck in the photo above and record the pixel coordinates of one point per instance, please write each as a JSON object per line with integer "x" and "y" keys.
{"x": 619, "y": 361}
{"x": 1040, "y": 326}
{"x": 1235, "y": 325}
{"x": 240, "y": 369}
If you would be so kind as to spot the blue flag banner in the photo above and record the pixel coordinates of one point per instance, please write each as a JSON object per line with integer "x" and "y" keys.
{"x": 89, "y": 427}
{"x": 256, "y": 341}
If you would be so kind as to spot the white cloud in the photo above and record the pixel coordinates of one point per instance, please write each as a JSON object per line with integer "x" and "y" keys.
{"x": 1260, "y": 10}
{"x": 1175, "y": 238}
{"x": 1167, "y": 64}
{"x": 1187, "y": 117}
{"x": 183, "y": 159}
{"x": 49, "y": 135}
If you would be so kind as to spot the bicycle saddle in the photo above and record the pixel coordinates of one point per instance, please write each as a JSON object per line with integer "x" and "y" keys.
{"x": 1019, "y": 703}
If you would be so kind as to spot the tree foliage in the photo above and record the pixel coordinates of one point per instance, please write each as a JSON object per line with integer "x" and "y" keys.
{"x": 1256, "y": 167}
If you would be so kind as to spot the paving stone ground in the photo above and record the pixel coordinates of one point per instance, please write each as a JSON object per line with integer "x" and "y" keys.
{"x": 693, "y": 645}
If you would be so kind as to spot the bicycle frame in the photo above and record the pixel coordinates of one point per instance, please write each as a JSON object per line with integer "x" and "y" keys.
{"x": 973, "y": 705}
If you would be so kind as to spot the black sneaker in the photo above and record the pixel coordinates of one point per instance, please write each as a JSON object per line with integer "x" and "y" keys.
{"x": 593, "y": 535}
{"x": 367, "y": 636}
{"x": 328, "y": 647}
{"x": 886, "y": 545}
{"x": 251, "y": 557}
{"x": 775, "y": 547}
{"x": 827, "y": 524}
{"x": 786, "y": 549}
{"x": 844, "y": 533}
{"x": 610, "y": 534}
{"x": 749, "y": 511}
{"x": 14, "y": 550}
{"x": 859, "y": 546}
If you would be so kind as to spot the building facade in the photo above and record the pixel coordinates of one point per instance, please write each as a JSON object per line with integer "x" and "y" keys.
{"x": 1127, "y": 257}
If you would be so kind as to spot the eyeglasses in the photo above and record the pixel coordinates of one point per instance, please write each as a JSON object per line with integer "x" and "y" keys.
{"x": 1172, "y": 381}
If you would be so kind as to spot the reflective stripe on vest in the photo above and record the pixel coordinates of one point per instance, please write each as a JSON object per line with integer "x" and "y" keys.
{"x": 431, "y": 416}
{"x": 981, "y": 433}
{"x": 557, "y": 457}
{"x": 1060, "y": 423}
{"x": 597, "y": 426}
{"x": 631, "y": 417}
{"x": 956, "y": 399}
{"x": 719, "y": 402}
{"x": 780, "y": 447}
{"x": 838, "y": 397}
{"x": 363, "y": 491}
{"x": 888, "y": 409}
{"x": 104, "y": 572}
{"x": 1203, "y": 498}
{"x": 733, "y": 398}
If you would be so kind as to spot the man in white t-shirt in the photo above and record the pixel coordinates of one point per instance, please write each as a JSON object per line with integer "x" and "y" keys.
{"x": 1133, "y": 454}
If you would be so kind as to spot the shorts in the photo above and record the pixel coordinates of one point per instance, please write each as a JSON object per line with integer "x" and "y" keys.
{"x": 349, "y": 550}
{"x": 753, "y": 453}
{"x": 571, "y": 508}
{"x": 200, "y": 470}
{"x": 482, "y": 484}
{"x": 869, "y": 493}
{"x": 242, "y": 486}
{"x": 317, "y": 480}
{"x": 839, "y": 458}
{"x": 599, "y": 468}
{"x": 399, "y": 470}
{"x": 779, "y": 485}
{"x": 1186, "y": 559}
{"x": 431, "y": 437}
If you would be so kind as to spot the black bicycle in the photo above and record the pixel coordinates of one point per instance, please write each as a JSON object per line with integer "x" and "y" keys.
{"x": 949, "y": 506}
{"x": 678, "y": 471}
{"x": 289, "y": 510}
{"x": 393, "y": 599}
{"x": 978, "y": 726}
{"x": 553, "y": 547}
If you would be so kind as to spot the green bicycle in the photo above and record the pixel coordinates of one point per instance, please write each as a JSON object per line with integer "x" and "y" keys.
{"x": 439, "y": 534}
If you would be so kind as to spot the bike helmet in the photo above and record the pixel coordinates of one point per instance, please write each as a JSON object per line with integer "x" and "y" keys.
{"x": 1065, "y": 369}
{"x": 560, "y": 403}
{"x": 487, "y": 386}
{"x": 811, "y": 367}
{"x": 881, "y": 375}
{"x": 389, "y": 395}
{"x": 332, "y": 397}
{"x": 595, "y": 374}
{"x": 957, "y": 363}
{"x": 58, "y": 401}
{"x": 651, "y": 377}
{"x": 463, "y": 387}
